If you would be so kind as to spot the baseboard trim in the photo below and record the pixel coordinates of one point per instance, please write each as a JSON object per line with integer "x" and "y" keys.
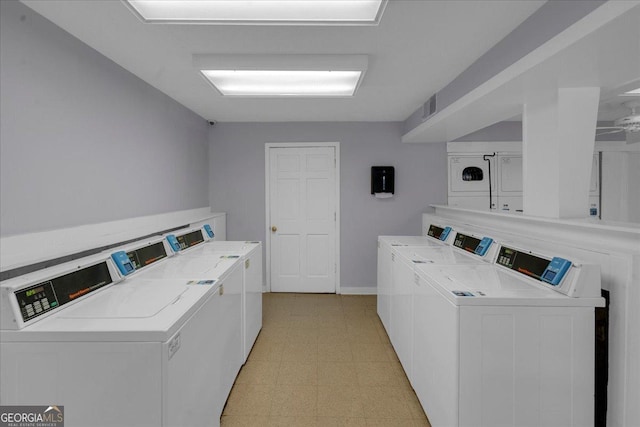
{"x": 358, "y": 290}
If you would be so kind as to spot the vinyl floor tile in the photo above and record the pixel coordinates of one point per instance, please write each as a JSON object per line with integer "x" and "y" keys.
{"x": 322, "y": 360}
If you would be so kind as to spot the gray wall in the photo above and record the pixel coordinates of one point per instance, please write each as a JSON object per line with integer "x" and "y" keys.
{"x": 237, "y": 183}
{"x": 84, "y": 141}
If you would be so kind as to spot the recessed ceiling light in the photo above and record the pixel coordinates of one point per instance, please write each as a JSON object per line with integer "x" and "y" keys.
{"x": 634, "y": 92}
{"x": 284, "y": 83}
{"x": 260, "y": 12}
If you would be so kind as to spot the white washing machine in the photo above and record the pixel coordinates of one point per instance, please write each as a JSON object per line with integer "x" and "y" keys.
{"x": 139, "y": 352}
{"x": 466, "y": 249}
{"x": 251, "y": 258}
{"x": 225, "y": 269}
{"x": 506, "y": 344}
{"x": 436, "y": 236}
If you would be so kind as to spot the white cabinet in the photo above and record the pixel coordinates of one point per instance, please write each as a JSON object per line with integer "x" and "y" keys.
{"x": 230, "y": 326}
{"x": 435, "y": 354}
{"x": 252, "y": 299}
{"x": 402, "y": 311}
{"x": 489, "y": 366}
{"x": 384, "y": 285}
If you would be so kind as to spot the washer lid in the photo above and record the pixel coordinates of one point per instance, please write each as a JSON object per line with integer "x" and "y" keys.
{"x": 183, "y": 266}
{"x": 224, "y": 247}
{"x": 487, "y": 285}
{"x": 436, "y": 255}
{"x": 410, "y": 241}
{"x": 132, "y": 299}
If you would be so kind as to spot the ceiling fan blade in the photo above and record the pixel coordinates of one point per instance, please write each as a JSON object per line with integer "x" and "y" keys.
{"x": 611, "y": 131}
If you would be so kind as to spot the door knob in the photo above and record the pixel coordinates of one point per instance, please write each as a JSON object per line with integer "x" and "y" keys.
{"x": 274, "y": 228}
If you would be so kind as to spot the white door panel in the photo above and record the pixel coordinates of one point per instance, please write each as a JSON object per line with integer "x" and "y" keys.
{"x": 510, "y": 175}
{"x": 302, "y": 194}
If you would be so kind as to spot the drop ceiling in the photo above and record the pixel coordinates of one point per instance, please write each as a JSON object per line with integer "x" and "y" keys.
{"x": 418, "y": 47}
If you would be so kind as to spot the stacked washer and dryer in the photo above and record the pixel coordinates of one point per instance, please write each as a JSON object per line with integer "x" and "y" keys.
{"x": 138, "y": 337}
{"x": 496, "y": 335}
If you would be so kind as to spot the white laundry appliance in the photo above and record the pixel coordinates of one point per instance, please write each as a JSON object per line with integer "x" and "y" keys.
{"x": 509, "y": 182}
{"x": 251, "y": 259}
{"x": 138, "y": 352}
{"x": 225, "y": 269}
{"x": 466, "y": 249}
{"x": 505, "y": 344}
{"x": 471, "y": 180}
{"x": 436, "y": 236}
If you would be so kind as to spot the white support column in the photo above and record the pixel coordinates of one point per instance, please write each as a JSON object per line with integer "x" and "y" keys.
{"x": 558, "y": 141}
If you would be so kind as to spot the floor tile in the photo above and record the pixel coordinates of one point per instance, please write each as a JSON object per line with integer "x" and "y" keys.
{"x": 298, "y": 373}
{"x": 378, "y": 374}
{"x": 322, "y": 360}
{"x": 341, "y": 422}
{"x": 266, "y": 350}
{"x": 300, "y": 352}
{"x": 335, "y": 352}
{"x": 389, "y": 422}
{"x": 299, "y": 333}
{"x": 339, "y": 401}
{"x": 334, "y": 334}
{"x": 370, "y": 352}
{"x": 249, "y": 400}
{"x": 274, "y": 333}
{"x": 258, "y": 372}
{"x": 385, "y": 402}
{"x": 243, "y": 421}
{"x": 292, "y": 422}
{"x": 337, "y": 373}
{"x": 294, "y": 400}
{"x": 367, "y": 334}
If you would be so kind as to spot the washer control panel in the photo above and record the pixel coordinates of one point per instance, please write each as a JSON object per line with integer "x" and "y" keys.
{"x": 36, "y": 300}
{"x": 438, "y": 232}
{"x": 548, "y": 271}
{"x": 188, "y": 240}
{"x": 472, "y": 244}
{"x": 147, "y": 255}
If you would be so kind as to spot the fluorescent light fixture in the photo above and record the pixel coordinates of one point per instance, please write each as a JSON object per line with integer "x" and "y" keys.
{"x": 260, "y": 12}
{"x": 634, "y": 92}
{"x": 299, "y": 75}
{"x": 284, "y": 83}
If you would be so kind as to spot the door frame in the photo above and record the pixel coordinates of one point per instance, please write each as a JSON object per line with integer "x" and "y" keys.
{"x": 267, "y": 175}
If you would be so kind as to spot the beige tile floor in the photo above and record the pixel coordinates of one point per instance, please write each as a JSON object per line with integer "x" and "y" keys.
{"x": 322, "y": 360}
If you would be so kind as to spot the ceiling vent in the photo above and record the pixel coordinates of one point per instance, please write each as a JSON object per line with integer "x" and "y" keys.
{"x": 429, "y": 108}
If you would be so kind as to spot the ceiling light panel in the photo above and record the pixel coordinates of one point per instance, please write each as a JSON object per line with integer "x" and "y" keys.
{"x": 284, "y": 83}
{"x": 260, "y": 12}
{"x": 634, "y": 92}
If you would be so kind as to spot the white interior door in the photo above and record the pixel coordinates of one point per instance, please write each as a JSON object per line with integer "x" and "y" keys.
{"x": 302, "y": 217}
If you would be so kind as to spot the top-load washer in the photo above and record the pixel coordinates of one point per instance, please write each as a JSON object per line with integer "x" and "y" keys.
{"x": 465, "y": 249}
{"x": 250, "y": 254}
{"x": 509, "y": 343}
{"x": 436, "y": 236}
{"x": 225, "y": 270}
{"x": 138, "y": 352}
